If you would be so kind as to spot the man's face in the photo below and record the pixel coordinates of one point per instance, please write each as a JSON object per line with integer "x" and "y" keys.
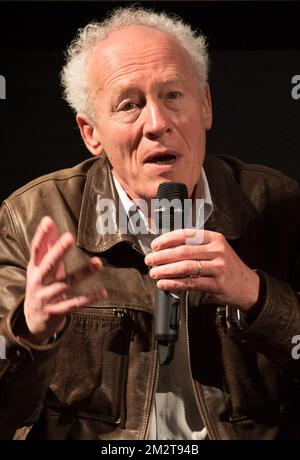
{"x": 150, "y": 117}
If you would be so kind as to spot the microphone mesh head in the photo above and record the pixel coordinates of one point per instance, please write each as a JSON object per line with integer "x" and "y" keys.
{"x": 170, "y": 212}
{"x": 172, "y": 190}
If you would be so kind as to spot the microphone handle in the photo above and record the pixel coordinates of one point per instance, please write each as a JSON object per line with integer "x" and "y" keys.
{"x": 166, "y": 324}
{"x": 167, "y": 305}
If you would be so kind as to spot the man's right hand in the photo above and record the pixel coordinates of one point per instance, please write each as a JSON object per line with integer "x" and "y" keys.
{"x": 49, "y": 298}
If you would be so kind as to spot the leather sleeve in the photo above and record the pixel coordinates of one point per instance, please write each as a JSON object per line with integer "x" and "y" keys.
{"x": 25, "y": 370}
{"x": 276, "y": 327}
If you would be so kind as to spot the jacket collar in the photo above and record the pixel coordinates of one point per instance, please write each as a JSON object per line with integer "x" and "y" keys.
{"x": 231, "y": 214}
{"x": 99, "y": 184}
{"x": 233, "y": 211}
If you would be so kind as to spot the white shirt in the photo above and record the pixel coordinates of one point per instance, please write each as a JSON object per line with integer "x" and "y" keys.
{"x": 174, "y": 412}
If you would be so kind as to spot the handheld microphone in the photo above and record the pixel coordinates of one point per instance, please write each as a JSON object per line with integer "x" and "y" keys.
{"x": 169, "y": 216}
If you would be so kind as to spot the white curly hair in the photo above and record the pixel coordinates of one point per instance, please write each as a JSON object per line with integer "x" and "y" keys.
{"x": 74, "y": 79}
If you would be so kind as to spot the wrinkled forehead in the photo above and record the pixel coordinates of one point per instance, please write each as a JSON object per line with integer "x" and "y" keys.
{"x": 137, "y": 38}
{"x": 136, "y": 47}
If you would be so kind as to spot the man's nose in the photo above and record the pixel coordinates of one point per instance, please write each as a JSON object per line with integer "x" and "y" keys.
{"x": 156, "y": 121}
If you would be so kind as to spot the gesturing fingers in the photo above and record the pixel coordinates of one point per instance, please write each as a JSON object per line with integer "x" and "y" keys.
{"x": 55, "y": 254}
{"x": 66, "y": 306}
{"x": 45, "y": 236}
{"x": 65, "y": 286}
{"x": 93, "y": 265}
{"x": 48, "y": 293}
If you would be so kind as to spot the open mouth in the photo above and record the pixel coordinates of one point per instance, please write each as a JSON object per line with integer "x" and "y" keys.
{"x": 161, "y": 159}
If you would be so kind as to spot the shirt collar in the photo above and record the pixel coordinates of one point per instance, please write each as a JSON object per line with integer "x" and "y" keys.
{"x": 129, "y": 204}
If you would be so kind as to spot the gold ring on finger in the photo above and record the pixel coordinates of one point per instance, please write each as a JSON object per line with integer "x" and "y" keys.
{"x": 196, "y": 275}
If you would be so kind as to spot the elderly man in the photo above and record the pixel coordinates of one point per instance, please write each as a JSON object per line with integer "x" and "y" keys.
{"x": 78, "y": 304}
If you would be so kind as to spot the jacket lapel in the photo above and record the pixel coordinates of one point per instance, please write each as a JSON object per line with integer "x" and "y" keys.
{"x": 99, "y": 185}
{"x": 232, "y": 212}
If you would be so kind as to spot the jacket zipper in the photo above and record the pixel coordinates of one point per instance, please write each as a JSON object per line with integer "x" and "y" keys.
{"x": 199, "y": 398}
{"x": 154, "y": 384}
{"x": 219, "y": 322}
{"x": 114, "y": 311}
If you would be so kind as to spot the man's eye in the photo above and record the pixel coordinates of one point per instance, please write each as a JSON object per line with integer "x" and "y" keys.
{"x": 128, "y": 106}
{"x": 173, "y": 95}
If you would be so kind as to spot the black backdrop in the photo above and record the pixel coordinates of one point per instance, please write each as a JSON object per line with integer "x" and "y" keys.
{"x": 255, "y": 53}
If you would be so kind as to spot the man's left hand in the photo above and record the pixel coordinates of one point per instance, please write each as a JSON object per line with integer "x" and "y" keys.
{"x": 220, "y": 273}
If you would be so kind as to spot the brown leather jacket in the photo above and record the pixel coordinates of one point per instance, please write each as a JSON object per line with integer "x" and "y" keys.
{"x": 98, "y": 379}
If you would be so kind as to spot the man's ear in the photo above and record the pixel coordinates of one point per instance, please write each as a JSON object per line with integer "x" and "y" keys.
{"x": 89, "y": 135}
{"x": 206, "y": 106}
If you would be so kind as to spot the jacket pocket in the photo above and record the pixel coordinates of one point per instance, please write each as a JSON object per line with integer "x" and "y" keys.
{"x": 251, "y": 383}
{"x": 90, "y": 373}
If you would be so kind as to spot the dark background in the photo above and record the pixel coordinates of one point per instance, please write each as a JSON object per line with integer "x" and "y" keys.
{"x": 255, "y": 52}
